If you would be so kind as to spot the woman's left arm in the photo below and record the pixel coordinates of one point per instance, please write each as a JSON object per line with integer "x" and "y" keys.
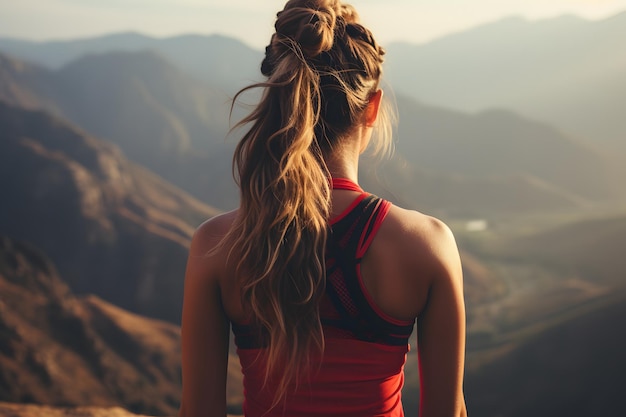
{"x": 205, "y": 330}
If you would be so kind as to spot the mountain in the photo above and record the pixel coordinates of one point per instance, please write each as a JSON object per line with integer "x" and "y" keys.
{"x": 456, "y": 164}
{"x": 160, "y": 117}
{"x": 499, "y": 143}
{"x": 25, "y": 84}
{"x": 222, "y": 62}
{"x": 51, "y": 339}
{"x": 566, "y": 71}
{"x": 113, "y": 228}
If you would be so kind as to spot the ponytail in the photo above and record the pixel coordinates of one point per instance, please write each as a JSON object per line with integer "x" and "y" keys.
{"x": 280, "y": 232}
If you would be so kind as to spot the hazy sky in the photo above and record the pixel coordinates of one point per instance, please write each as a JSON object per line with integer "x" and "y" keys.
{"x": 251, "y": 20}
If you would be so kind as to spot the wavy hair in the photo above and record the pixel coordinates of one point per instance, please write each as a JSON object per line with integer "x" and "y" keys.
{"x": 322, "y": 66}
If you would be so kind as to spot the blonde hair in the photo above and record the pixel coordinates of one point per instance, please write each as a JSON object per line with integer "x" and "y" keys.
{"x": 322, "y": 66}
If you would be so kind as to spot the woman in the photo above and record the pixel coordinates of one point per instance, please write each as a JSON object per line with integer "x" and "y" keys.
{"x": 320, "y": 281}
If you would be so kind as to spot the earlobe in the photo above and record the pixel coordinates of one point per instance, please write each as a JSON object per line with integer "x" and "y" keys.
{"x": 371, "y": 113}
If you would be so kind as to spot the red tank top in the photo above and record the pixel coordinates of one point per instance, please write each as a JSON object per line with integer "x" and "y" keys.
{"x": 361, "y": 373}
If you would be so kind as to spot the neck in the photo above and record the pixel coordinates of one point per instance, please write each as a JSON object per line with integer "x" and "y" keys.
{"x": 344, "y": 172}
{"x": 344, "y": 160}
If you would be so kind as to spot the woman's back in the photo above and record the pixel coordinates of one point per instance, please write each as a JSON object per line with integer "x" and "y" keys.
{"x": 321, "y": 314}
{"x": 368, "y": 311}
{"x": 361, "y": 370}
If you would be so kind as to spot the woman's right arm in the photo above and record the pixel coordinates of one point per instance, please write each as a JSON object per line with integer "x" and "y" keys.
{"x": 205, "y": 329}
{"x": 441, "y": 330}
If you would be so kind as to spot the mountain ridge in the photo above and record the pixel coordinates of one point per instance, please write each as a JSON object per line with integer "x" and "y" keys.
{"x": 567, "y": 72}
{"x": 106, "y": 223}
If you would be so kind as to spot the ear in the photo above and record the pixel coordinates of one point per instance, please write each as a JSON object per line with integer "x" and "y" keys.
{"x": 371, "y": 112}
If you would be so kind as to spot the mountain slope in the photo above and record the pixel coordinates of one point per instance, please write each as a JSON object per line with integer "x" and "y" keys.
{"x": 51, "y": 340}
{"x": 60, "y": 349}
{"x": 499, "y": 143}
{"x": 157, "y": 115}
{"x": 112, "y": 228}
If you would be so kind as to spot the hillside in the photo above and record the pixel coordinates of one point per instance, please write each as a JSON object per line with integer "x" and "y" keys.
{"x": 50, "y": 338}
{"x": 159, "y": 117}
{"x": 499, "y": 143}
{"x": 112, "y": 228}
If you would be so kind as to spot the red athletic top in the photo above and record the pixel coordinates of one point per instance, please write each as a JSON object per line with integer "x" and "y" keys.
{"x": 361, "y": 372}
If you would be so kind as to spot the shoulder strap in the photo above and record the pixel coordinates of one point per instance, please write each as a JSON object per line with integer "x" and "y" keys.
{"x": 350, "y": 239}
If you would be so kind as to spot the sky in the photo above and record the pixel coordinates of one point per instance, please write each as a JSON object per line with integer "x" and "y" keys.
{"x": 251, "y": 21}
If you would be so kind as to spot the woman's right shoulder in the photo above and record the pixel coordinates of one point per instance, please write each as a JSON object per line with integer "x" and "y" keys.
{"x": 424, "y": 243}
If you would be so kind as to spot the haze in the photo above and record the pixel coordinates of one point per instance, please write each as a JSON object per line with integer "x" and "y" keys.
{"x": 251, "y": 21}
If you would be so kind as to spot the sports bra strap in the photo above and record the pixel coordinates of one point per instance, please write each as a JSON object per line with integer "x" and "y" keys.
{"x": 345, "y": 184}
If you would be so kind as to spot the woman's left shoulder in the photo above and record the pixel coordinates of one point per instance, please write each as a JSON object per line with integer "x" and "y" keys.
{"x": 211, "y": 232}
{"x": 206, "y": 253}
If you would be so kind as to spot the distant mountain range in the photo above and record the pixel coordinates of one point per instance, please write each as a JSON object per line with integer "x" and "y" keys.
{"x": 449, "y": 163}
{"x": 112, "y": 227}
{"x": 566, "y": 71}
{"x": 223, "y": 63}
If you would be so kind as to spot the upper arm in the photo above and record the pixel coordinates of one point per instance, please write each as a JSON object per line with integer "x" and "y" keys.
{"x": 441, "y": 330}
{"x": 204, "y": 332}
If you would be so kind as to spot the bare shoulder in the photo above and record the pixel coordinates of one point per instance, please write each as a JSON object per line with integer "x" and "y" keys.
{"x": 210, "y": 233}
{"x": 411, "y": 255}
{"x": 206, "y": 256}
{"x": 423, "y": 242}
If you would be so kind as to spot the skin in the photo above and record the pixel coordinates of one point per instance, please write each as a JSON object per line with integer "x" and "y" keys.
{"x": 412, "y": 270}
